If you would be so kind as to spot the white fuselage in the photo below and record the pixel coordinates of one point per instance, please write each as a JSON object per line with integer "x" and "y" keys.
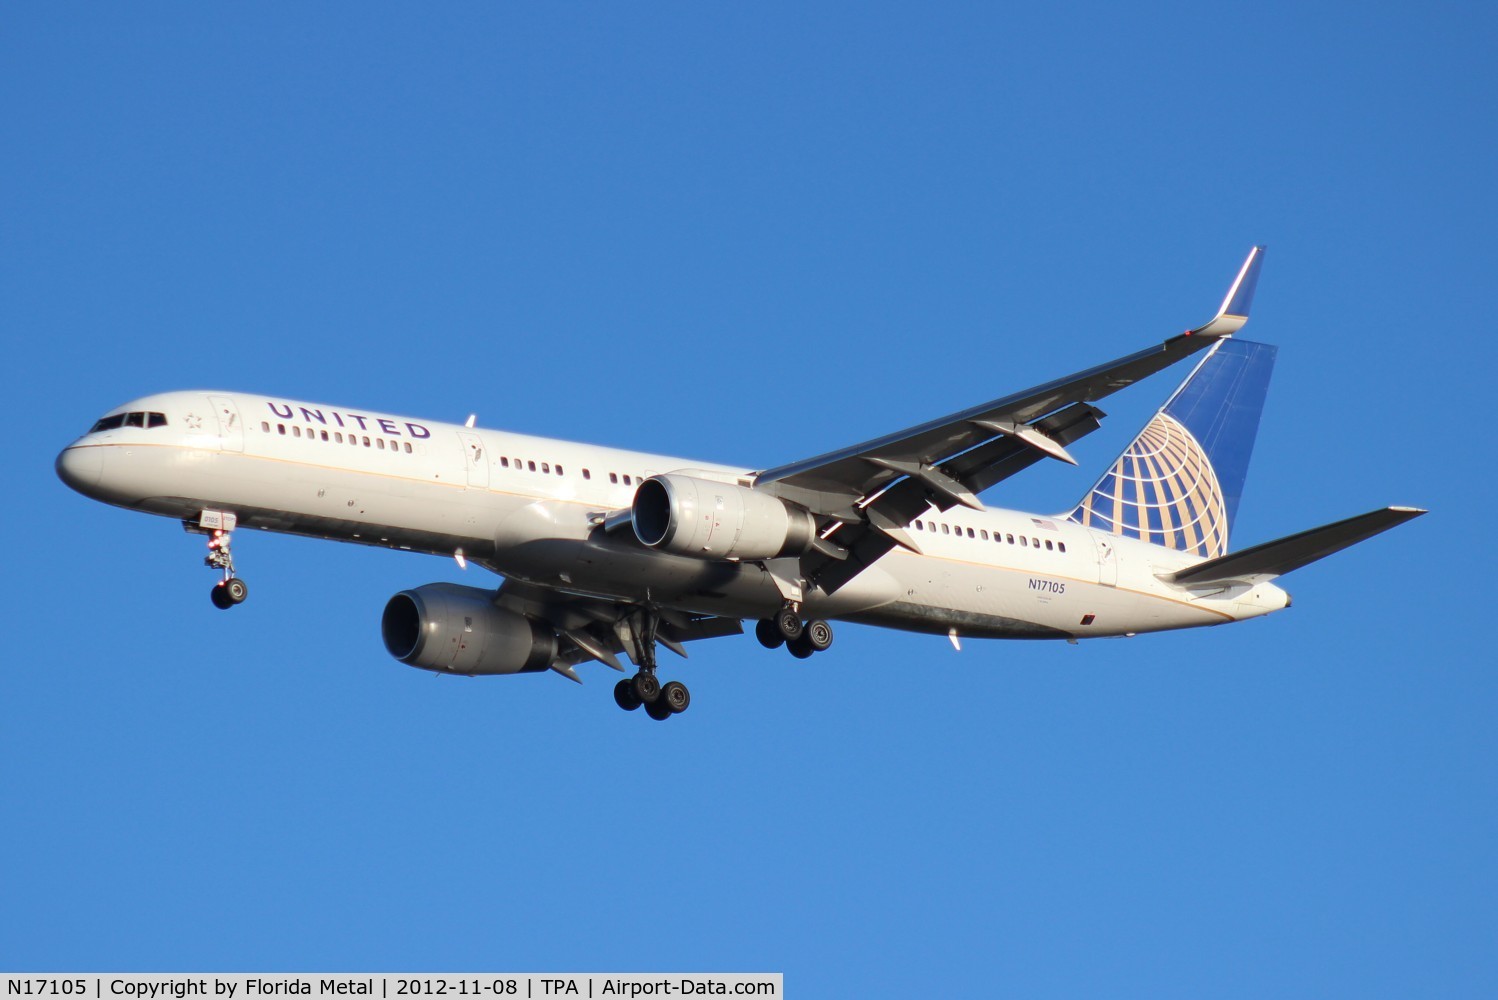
{"x": 532, "y": 508}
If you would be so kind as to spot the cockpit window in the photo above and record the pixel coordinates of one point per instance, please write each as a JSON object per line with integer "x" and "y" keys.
{"x": 118, "y": 420}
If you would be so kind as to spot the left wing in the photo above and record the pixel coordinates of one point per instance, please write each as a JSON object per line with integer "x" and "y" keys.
{"x": 872, "y": 491}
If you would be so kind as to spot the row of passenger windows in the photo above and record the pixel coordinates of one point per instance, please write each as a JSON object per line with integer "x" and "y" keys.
{"x": 149, "y": 419}
{"x": 548, "y": 468}
{"x": 337, "y": 437}
{"x": 1003, "y": 538}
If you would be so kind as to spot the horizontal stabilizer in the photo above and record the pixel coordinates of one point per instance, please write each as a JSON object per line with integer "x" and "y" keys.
{"x": 1276, "y": 558}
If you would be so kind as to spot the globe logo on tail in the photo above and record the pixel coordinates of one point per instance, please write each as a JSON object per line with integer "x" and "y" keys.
{"x": 1163, "y": 490}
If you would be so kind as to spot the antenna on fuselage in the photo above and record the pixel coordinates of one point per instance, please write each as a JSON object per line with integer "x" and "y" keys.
{"x": 471, "y": 418}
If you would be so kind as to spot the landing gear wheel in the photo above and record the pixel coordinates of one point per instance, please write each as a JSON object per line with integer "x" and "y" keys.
{"x": 675, "y": 696}
{"x": 647, "y": 688}
{"x": 819, "y": 635}
{"x": 220, "y": 597}
{"x": 788, "y": 624}
{"x": 768, "y": 635}
{"x": 236, "y": 590}
{"x": 658, "y": 710}
{"x": 801, "y": 647}
{"x": 625, "y": 697}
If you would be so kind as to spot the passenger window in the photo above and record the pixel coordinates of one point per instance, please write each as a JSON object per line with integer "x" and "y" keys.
{"x": 135, "y": 420}
{"x": 970, "y": 533}
{"x": 626, "y": 480}
{"x": 281, "y": 429}
{"x": 323, "y": 435}
{"x": 296, "y": 431}
{"x": 1009, "y": 539}
{"x": 945, "y": 530}
{"x": 1061, "y": 546}
{"x": 366, "y": 442}
{"x": 1048, "y": 545}
{"x": 1035, "y": 542}
{"x": 917, "y": 525}
{"x": 546, "y": 467}
{"x": 265, "y": 426}
{"x": 504, "y": 461}
{"x": 338, "y": 437}
{"x": 1022, "y": 542}
{"x": 381, "y": 443}
{"x": 559, "y": 470}
{"x": 531, "y": 466}
{"x": 614, "y": 477}
{"x": 587, "y": 474}
{"x": 408, "y": 446}
{"x": 983, "y": 534}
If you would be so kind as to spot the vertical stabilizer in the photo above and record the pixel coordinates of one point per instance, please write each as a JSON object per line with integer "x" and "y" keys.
{"x": 1178, "y": 484}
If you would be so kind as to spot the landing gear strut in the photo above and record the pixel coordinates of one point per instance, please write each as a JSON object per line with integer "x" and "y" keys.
{"x": 231, "y": 590}
{"x": 661, "y": 701}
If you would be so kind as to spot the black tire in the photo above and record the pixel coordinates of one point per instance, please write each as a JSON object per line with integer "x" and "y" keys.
{"x": 819, "y": 634}
{"x": 768, "y": 635}
{"x": 658, "y": 710}
{"x": 237, "y": 590}
{"x": 624, "y": 695}
{"x": 674, "y": 695}
{"x": 647, "y": 688}
{"x": 788, "y": 624}
{"x": 220, "y": 598}
{"x": 800, "y": 646}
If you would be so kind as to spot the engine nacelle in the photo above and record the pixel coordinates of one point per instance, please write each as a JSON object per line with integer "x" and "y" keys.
{"x": 458, "y": 630}
{"x": 708, "y": 520}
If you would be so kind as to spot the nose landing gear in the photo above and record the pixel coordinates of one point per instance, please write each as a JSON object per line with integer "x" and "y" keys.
{"x": 231, "y": 590}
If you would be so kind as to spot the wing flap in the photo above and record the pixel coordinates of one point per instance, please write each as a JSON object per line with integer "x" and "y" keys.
{"x": 885, "y": 515}
{"x": 1260, "y": 563}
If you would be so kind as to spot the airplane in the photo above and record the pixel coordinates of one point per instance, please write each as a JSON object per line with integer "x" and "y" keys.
{"x": 605, "y": 552}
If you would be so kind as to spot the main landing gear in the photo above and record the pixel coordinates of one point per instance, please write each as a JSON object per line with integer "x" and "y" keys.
{"x": 231, "y": 590}
{"x": 788, "y": 630}
{"x": 660, "y": 701}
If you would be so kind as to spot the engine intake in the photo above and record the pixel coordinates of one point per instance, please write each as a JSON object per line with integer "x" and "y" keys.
{"x": 708, "y": 520}
{"x": 453, "y": 629}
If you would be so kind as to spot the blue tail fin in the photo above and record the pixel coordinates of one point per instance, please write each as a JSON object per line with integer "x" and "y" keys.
{"x": 1178, "y": 484}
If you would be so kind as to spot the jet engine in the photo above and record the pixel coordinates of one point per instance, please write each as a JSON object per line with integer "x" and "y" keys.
{"x": 453, "y": 629}
{"x": 709, "y": 520}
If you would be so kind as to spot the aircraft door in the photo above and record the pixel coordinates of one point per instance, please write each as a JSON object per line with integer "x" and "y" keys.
{"x": 1107, "y": 560}
{"x": 476, "y": 459}
{"x": 230, "y": 429}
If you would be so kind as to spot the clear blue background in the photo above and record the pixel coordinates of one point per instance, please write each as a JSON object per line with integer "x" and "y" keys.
{"x": 754, "y": 233}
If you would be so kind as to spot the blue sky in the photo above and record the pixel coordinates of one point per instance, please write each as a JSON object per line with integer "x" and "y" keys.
{"x": 753, "y": 234}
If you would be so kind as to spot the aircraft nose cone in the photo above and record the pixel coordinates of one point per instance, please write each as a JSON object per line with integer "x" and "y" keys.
{"x": 81, "y": 468}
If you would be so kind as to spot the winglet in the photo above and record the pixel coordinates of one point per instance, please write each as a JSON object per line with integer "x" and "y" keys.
{"x": 1234, "y": 311}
